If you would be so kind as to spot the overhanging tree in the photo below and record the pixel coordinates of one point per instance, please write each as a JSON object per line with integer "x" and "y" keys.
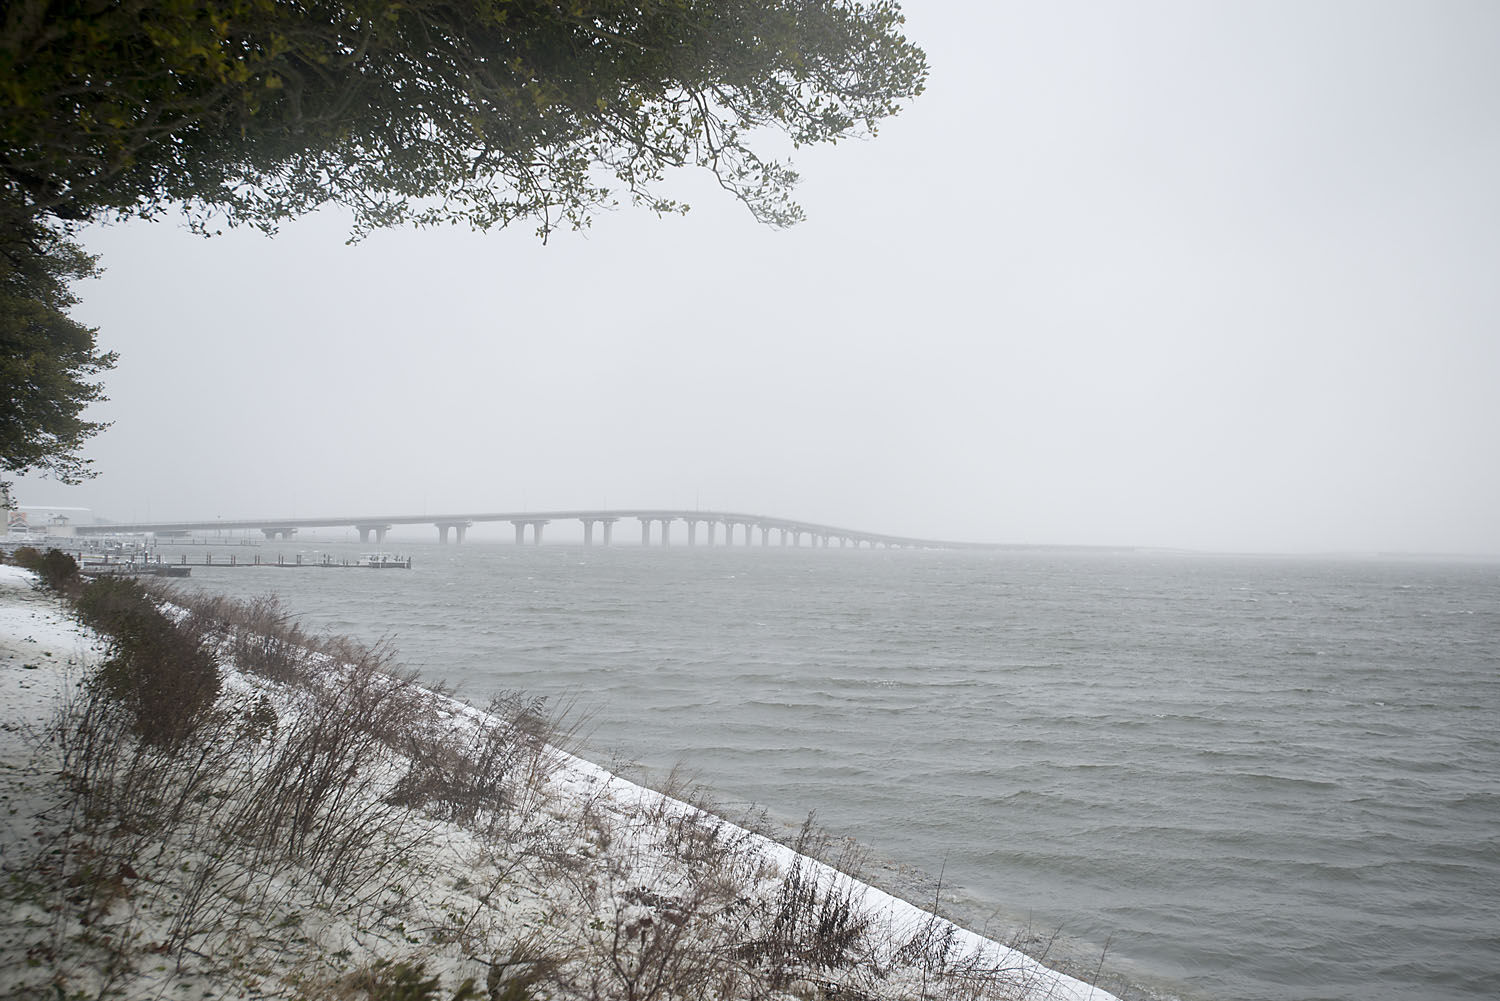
{"x": 482, "y": 111}
{"x": 47, "y": 363}
{"x": 485, "y": 112}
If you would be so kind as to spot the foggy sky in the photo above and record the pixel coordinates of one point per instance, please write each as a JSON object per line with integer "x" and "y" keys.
{"x": 1216, "y": 276}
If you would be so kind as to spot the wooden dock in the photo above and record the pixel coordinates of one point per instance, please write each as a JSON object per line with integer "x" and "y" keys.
{"x": 124, "y": 569}
{"x": 91, "y": 565}
{"x": 384, "y": 562}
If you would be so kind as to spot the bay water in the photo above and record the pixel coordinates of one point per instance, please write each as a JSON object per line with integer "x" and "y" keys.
{"x": 1269, "y": 779}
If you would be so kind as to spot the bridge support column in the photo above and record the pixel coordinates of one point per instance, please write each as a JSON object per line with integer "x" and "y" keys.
{"x": 588, "y": 529}
{"x": 645, "y": 531}
{"x": 666, "y": 532}
{"x": 765, "y": 535}
{"x": 692, "y": 524}
{"x": 536, "y": 530}
{"x": 713, "y": 527}
{"x": 460, "y": 529}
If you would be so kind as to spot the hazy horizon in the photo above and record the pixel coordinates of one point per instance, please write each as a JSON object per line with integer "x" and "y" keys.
{"x": 626, "y": 533}
{"x": 1203, "y": 277}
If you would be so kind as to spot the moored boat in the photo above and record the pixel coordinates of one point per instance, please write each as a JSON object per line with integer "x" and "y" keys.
{"x": 385, "y": 561}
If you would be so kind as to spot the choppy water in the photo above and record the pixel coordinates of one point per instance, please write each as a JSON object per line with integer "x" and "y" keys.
{"x": 1260, "y": 779}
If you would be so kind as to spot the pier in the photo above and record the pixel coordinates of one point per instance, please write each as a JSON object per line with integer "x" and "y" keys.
{"x": 92, "y": 565}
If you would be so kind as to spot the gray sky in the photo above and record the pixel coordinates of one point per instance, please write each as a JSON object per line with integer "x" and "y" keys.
{"x": 1219, "y": 276}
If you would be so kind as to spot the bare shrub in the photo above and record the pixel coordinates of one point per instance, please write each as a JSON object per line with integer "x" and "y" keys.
{"x": 259, "y": 797}
{"x": 259, "y": 635}
{"x": 406, "y": 980}
{"x": 134, "y": 802}
{"x": 942, "y": 966}
{"x": 677, "y": 913}
{"x": 278, "y": 798}
{"x": 306, "y": 816}
{"x": 468, "y": 770}
{"x": 522, "y": 975}
{"x": 640, "y": 944}
{"x": 811, "y": 929}
{"x": 266, "y": 640}
{"x": 932, "y": 951}
{"x": 321, "y": 795}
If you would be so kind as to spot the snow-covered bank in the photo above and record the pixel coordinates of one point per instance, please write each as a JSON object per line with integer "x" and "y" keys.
{"x": 580, "y": 885}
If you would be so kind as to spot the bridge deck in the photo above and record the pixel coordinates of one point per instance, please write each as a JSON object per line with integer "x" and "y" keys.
{"x": 606, "y": 516}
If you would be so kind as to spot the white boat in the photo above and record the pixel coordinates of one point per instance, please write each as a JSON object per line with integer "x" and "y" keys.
{"x": 385, "y": 561}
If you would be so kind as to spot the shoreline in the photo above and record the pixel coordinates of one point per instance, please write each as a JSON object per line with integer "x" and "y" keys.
{"x": 41, "y": 649}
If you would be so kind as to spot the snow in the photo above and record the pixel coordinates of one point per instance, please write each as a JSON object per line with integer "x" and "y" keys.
{"x": 590, "y": 865}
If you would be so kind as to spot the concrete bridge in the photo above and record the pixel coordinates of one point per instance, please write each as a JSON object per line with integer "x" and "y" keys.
{"x": 701, "y": 527}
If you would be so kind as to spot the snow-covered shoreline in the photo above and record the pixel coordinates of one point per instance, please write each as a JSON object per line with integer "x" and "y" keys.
{"x": 43, "y": 652}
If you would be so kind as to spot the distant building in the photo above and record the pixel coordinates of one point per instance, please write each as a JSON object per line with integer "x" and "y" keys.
{"x": 42, "y": 519}
{"x": 15, "y": 519}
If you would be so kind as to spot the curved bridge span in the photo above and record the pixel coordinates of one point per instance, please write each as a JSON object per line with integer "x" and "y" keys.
{"x": 598, "y": 526}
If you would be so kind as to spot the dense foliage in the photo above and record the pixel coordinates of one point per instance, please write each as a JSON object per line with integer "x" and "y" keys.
{"x": 484, "y": 111}
{"x": 251, "y": 112}
{"x": 48, "y": 360}
{"x": 55, "y": 569}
